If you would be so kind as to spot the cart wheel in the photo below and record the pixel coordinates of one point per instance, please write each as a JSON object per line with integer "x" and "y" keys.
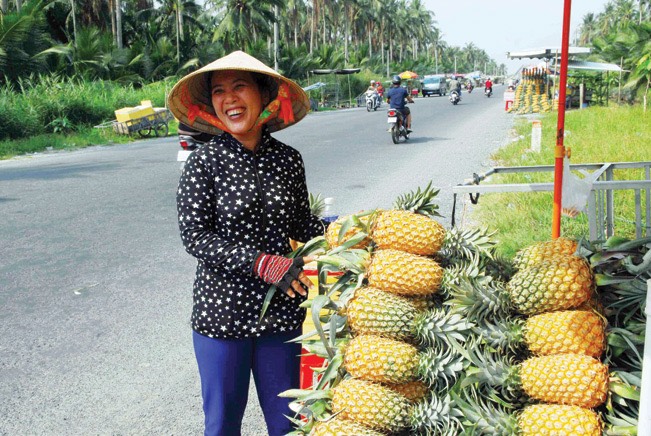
{"x": 145, "y": 132}
{"x": 161, "y": 129}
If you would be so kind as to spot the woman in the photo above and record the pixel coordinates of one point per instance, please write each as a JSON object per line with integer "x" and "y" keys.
{"x": 240, "y": 199}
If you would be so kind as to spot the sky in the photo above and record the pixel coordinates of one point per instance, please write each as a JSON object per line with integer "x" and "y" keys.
{"x": 501, "y": 26}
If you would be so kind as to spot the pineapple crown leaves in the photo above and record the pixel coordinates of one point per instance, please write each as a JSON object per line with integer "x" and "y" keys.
{"x": 479, "y": 298}
{"x": 440, "y": 366}
{"x": 436, "y": 416}
{"x": 419, "y": 201}
{"x": 438, "y": 325}
{"x": 502, "y": 335}
{"x": 317, "y": 204}
{"x": 481, "y": 417}
{"x": 354, "y": 221}
{"x": 490, "y": 369}
{"x": 468, "y": 243}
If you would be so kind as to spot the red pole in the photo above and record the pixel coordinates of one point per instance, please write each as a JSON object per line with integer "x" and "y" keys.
{"x": 559, "y": 150}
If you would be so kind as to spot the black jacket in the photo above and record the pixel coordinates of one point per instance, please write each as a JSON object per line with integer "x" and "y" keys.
{"x": 233, "y": 204}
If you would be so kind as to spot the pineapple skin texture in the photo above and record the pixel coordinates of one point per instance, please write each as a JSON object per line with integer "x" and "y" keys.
{"x": 566, "y": 331}
{"x": 378, "y": 359}
{"x": 403, "y": 273}
{"x": 342, "y": 427}
{"x": 559, "y": 420}
{"x": 372, "y": 311}
{"x": 408, "y": 231}
{"x": 562, "y": 283}
{"x": 414, "y": 391}
{"x": 371, "y": 404}
{"x": 536, "y": 253}
{"x": 571, "y": 379}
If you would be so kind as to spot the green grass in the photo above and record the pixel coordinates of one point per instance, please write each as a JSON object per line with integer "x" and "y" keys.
{"x": 594, "y": 135}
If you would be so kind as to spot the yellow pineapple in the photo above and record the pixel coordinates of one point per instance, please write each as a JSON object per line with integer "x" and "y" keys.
{"x": 561, "y": 332}
{"x": 371, "y": 404}
{"x": 379, "y": 359}
{"x": 572, "y": 379}
{"x": 557, "y": 420}
{"x": 342, "y": 427}
{"x": 564, "y": 282}
{"x": 407, "y": 231}
{"x": 567, "y": 331}
{"x": 333, "y": 237}
{"x": 540, "y": 251}
{"x": 403, "y": 273}
{"x": 414, "y": 391}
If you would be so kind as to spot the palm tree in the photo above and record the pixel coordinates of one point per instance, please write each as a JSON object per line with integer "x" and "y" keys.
{"x": 244, "y": 21}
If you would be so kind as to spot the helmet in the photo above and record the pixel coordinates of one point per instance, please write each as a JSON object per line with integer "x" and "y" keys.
{"x": 372, "y": 82}
{"x": 396, "y": 80}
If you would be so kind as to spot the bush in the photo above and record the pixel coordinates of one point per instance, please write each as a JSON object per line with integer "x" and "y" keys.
{"x": 32, "y": 107}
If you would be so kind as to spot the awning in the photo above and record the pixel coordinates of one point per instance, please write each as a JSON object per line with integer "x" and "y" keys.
{"x": 316, "y": 85}
{"x": 588, "y": 66}
{"x": 546, "y": 53}
{"x": 337, "y": 71}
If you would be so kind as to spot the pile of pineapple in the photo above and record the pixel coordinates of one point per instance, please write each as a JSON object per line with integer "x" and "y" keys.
{"x": 531, "y": 94}
{"x": 428, "y": 331}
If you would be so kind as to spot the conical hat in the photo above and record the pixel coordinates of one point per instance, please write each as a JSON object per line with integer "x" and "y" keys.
{"x": 196, "y": 85}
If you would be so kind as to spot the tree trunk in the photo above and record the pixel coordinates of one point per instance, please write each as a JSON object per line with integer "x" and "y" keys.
{"x": 114, "y": 30}
{"x": 19, "y": 5}
{"x": 312, "y": 29}
{"x": 118, "y": 22}
{"x": 370, "y": 42}
{"x": 4, "y": 5}
{"x": 74, "y": 22}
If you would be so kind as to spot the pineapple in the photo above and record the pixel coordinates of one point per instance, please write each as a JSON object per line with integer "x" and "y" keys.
{"x": 384, "y": 360}
{"x": 403, "y": 273}
{"x": 568, "y": 331}
{"x": 355, "y": 227}
{"x": 376, "y": 312}
{"x": 414, "y": 391}
{"x": 371, "y": 404}
{"x": 557, "y": 420}
{"x": 571, "y": 379}
{"x": 535, "y": 253}
{"x": 342, "y": 427}
{"x": 379, "y": 407}
{"x": 534, "y": 420}
{"x": 407, "y": 231}
{"x": 561, "y": 283}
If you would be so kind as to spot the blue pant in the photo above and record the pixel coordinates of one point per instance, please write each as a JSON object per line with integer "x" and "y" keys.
{"x": 225, "y": 367}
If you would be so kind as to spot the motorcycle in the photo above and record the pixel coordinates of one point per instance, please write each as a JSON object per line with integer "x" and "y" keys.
{"x": 488, "y": 92}
{"x": 469, "y": 88}
{"x": 398, "y": 129}
{"x": 189, "y": 141}
{"x": 454, "y": 97}
{"x": 373, "y": 101}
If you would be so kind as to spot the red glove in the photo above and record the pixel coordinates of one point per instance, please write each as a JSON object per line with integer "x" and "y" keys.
{"x": 278, "y": 270}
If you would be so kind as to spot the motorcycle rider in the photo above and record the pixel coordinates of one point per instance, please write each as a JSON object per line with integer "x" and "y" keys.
{"x": 488, "y": 87}
{"x": 380, "y": 88}
{"x": 455, "y": 85}
{"x": 396, "y": 98}
{"x": 371, "y": 92}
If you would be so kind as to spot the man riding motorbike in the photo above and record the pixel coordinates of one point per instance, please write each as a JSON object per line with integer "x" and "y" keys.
{"x": 455, "y": 85}
{"x": 397, "y": 96}
{"x": 371, "y": 92}
{"x": 488, "y": 86}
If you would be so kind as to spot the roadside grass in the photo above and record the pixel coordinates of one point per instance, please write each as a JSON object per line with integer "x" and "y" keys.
{"x": 594, "y": 135}
{"x": 84, "y": 137}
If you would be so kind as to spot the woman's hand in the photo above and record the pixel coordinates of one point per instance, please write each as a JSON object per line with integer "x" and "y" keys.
{"x": 283, "y": 272}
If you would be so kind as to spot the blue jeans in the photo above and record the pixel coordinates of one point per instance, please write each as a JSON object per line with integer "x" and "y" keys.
{"x": 225, "y": 367}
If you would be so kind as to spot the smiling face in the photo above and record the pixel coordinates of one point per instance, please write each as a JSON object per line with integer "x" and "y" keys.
{"x": 238, "y": 101}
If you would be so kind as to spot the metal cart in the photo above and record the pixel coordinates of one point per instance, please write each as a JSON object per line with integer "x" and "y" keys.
{"x": 156, "y": 123}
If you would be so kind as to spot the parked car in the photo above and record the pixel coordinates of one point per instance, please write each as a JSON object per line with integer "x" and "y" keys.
{"x": 434, "y": 85}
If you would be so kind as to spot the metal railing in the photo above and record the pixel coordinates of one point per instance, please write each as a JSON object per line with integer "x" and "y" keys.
{"x": 600, "y": 212}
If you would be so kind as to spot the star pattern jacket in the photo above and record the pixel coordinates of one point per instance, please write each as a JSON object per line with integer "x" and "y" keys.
{"x": 233, "y": 204}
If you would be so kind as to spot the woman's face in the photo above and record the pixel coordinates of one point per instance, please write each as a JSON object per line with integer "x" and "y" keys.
{"x": 238, "y": 102}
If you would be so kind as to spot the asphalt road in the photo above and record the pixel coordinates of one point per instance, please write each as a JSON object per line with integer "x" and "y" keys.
{"x": 95, "y": 288}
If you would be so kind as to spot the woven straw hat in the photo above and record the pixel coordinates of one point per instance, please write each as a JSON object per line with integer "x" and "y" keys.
{"x": 195, "y": 88}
